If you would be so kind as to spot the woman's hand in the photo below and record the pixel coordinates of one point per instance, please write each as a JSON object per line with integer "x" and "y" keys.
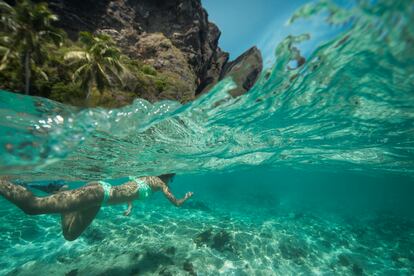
{"x": 181, "y": 201}
{"x": 188, "y": 195}
{"x": 129, "y": 209}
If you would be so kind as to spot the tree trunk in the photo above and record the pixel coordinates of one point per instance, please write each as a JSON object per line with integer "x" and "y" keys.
{"x": 88, "y": 91}
{"x": 27, "y": 72}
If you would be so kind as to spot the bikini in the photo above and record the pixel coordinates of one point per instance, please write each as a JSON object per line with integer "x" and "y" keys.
{"x": 107, "y": 191}
{"x": 144, "y": 190}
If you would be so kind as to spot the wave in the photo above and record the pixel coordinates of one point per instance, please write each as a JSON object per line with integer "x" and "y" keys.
{"x": 350, "y": 106}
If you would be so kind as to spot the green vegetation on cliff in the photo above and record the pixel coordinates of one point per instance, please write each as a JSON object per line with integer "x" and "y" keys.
{"x": 25, "y": 30}
{"x": 40, "y": 60}
{"x": 95, "y": 63}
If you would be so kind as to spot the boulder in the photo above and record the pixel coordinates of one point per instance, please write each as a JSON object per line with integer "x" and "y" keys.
{"x": 244, "y": 71}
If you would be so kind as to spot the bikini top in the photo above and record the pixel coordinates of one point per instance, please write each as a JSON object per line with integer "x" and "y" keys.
{"x": 144, "y": 190}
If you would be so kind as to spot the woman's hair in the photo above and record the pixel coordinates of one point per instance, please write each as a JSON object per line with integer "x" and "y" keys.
{"x": 167, "y": 177}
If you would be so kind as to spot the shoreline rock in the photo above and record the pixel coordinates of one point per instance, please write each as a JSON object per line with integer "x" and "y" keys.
{"x": 173, "y": 36}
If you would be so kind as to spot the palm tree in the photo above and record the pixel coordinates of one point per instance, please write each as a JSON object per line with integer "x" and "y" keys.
{"x": 27, "y": 27}
{"x": 97, "y": 63}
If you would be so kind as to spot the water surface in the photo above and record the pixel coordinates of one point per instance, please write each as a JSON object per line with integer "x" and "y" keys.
{"x": 310, "y": 172}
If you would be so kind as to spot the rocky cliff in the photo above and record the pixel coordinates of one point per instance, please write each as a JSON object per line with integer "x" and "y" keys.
{"x": 174, "y": 36}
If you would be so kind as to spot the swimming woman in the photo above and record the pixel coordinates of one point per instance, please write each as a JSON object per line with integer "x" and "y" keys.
{"x": 79, "y": 207}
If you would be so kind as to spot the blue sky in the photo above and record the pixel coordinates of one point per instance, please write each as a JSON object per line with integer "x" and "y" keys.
{"x": 245, "y": 23}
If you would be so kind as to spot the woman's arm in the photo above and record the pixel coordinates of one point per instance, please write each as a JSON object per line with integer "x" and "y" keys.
{"x": 128, "y": 211}
{"x": 172, "y": 198}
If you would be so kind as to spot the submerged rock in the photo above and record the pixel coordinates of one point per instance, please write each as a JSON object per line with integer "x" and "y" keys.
{"x": 357, "y": 270}
{"x": 73, "y": 272}
{"x": 343, "y": 260}
{"x": 292, "y": 250}
{"x": 188, "y": 266}
{"x": 63, "y": 259}
{"x": 220, "y": 241}
{"x": 170, "y": 250}
{"x": 151, "y": 261}
{"x": 204, "y": 237}
{"x": 165, "y": 272}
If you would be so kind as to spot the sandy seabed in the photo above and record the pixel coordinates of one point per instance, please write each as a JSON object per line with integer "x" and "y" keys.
{"x": 208, "y": 239}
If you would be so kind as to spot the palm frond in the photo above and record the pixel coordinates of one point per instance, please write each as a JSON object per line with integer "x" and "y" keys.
{"x": 56, "y": 37}
{"x": 86, "y": 38}
{"x": 102, "y": 79}
{"x": 81, "y": 72}
{"x": 118, "y": 77}
{"x": 6, "y": 9}
{"x": 5, "y": 58}
{"x": 100, "y": 61}
{"x": 42, "y": 73}
{"x": 7, "y": 17}
{"x": 76, "y": 56}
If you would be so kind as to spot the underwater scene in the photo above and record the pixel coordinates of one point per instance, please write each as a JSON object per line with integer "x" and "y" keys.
{"x": 308, "y": 170}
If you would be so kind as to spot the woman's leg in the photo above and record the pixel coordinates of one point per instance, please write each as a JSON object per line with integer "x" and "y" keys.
{"x": 62, "y": 202}
{"x": 74, "y": 223}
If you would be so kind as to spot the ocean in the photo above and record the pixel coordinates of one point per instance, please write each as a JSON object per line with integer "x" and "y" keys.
{"x": 309, "y": 173}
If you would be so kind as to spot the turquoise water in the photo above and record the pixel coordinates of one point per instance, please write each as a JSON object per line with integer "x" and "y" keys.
{"x": 311, "y": 172}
